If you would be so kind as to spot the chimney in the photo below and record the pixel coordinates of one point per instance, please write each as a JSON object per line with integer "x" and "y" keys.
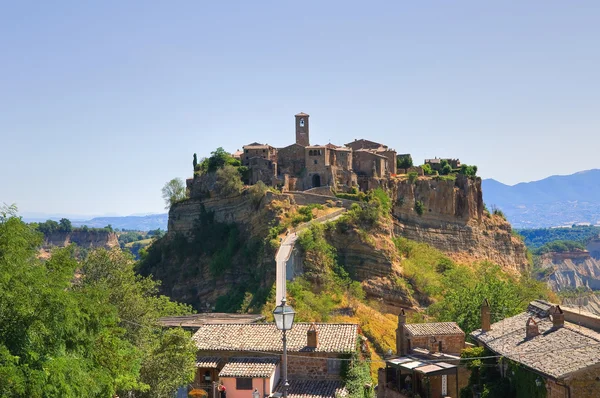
{"x": 558, "y": 318}
{"x": 485, "y": 316}
{"x": 531, "y": 329}
{"x": 400, "y": 343}
{"x": 312, "y": 338}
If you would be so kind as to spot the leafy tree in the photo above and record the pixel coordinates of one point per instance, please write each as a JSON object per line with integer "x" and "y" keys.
{"x": 412, "y": 176}
{"x": 446, "y": 169}
{"x": 469, "y": 171}
{"x": 506, "y": 296}
{"x": 427, "y": 170}
{"x": 404, "y": 162}
{"x": 173, "y": 192}
{"x": 228, "y": 182}
{"x": 164, "y": 366}
{"x": 48, "y": 227}
{"x": 64, "y": 225}
{"x": 55, "y": 341}
{"x": 419, "y": 207}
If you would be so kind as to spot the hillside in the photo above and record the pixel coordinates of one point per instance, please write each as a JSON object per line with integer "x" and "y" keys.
{"x": 553, "y": 201}
{"x": 380, "y": 256}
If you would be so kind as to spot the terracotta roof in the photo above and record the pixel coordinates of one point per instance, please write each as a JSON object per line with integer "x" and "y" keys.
{"x": 314, "y": 389}
{"x": 432, "y": 329}
{"x": 554, "y": 352}
{"x": 266, "y": 337}
{"x": 208, "y": 362}
{"x": 249, "y": 367}
{"x": 302, "y": 114}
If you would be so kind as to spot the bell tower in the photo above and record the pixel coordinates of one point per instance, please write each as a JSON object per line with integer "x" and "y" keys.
{"x": 302, "y": 137}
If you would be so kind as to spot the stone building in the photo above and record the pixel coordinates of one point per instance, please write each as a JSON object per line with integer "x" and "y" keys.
{"x": 256, "y": 150}
{"x": 245, "y": 357}
{"x": 559, "y": 345}
{"x": 303, "y": 166}
{"x": 427, "y": 361}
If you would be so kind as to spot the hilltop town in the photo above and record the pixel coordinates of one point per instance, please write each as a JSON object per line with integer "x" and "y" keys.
{"x": 361, "y": 164}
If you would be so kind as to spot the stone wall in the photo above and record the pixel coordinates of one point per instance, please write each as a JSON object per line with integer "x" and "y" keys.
{"x": 291, "y": 159}
{"x": 451, "y": 344}
{"x": 585, "y": 384}
{"x": 301, "y": 365}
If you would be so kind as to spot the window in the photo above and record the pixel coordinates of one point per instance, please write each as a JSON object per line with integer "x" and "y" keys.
{"x": 302, "y": 122}
{"x": 439, "y": 343}
{"x": 334, "y": 366}
{"x": 247, "y": 151}
{"x": 316, "y": 161}
{"x": 243, "y": 384}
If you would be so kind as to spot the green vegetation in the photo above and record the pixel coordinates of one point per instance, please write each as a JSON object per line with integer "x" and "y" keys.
{"x": 49, "y": 227}
{"x": 559, "y": 246}
{"x": 404, "y": 162}
{"x": 173, "y": 192}
{"x": 535, "y": 238}
{"x": 427, "y": 170}
{"x": 357, "y": 375}
{"x": 469, "y": 171}
{"x": 488, "y": 381}
{"x": 455, "y": 292}
{"x": 446, "y": 168}
{"x": 497, "y": 212}
{"x": 413, "y": 176}
{"x": 419, "y": 207}
{"x": 229, "y": 181}
{"x": 97, "y": 337}
{"x": 214, "y": 251}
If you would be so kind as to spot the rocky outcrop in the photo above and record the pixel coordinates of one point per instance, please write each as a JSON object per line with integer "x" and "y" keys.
{"x": 453, "y": 220}
{"x": 84, "y": 239}
{"x": 571, "y": 270}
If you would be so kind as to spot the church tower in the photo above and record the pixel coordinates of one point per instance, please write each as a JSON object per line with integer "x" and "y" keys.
{"x": 302, "y": 137}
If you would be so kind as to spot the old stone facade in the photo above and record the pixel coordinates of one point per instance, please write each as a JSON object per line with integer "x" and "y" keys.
{"x": 302, "y": 166}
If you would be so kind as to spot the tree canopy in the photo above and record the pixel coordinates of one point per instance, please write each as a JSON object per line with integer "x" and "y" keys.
{"x": 173, "y": 191}
{"x": 91, "y": 334}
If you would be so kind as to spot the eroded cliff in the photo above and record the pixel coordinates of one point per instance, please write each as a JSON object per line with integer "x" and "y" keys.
{"x": 454, "y": 220}
{"x": 84, "y": 239}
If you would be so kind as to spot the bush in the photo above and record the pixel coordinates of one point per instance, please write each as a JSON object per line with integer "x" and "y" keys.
{"x": 412, "y": 176}
{"x": 419, "y": 207}
{"x": 446, "y": 169}
{"x": 228, "y": 182}
{"x": 469, "y": 171}
{"x": 427, "y": 169}
{"x": 497, "y": 212}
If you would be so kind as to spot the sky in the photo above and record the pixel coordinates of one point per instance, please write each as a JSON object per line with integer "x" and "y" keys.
{"x": 101, "y": 103}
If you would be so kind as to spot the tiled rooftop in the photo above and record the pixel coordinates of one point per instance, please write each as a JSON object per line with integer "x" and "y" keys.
{"x": 433, "y": 328}
{"x": 249, "y": 367}
{"x": 554, "y": 352}
{"x": 208, "y": 362}
{"x": 314, "y": 389}
{"x": 266, "y": 337}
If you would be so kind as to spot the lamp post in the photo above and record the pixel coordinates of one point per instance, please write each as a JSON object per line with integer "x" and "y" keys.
{"x": 284, "y": 320}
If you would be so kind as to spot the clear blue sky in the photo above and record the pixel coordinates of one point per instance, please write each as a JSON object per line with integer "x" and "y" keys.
{"x": 102, "y": 102}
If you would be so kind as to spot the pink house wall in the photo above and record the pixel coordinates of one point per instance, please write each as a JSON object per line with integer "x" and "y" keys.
{"x": 270, "y": 383}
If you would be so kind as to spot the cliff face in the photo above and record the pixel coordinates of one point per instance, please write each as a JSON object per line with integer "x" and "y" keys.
{"x": 453, "y": 220}
{"x": 84, "y": 239}
{"x": 575, "y": 269}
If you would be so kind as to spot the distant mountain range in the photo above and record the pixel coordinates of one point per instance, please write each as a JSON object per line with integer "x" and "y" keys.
{"x": 551, "y": 202}
{"x": 137, "y": 223}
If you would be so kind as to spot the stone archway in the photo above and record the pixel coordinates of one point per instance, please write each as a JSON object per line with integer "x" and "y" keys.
{"x": 316, "y": 181}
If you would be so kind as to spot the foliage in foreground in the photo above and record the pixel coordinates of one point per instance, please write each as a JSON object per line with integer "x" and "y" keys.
{"x": 92, "y": 336}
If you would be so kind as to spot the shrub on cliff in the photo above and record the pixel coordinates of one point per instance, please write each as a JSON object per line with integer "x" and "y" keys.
{"x": 427, "y": 170}
{"x": 419, "y": 207}
{"x": 229, "y": 182}
{"x": 412, "y": 176}
{"x": 469, "y": 171}
{"x": 173, "y": 191}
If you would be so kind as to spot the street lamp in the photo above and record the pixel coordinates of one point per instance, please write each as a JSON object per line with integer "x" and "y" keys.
{"x": 284, "y": 320}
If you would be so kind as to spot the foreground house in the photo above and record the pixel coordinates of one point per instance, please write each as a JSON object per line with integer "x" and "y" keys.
{"x": 248, "y": 357}
{"x": 427, "y": 361}
{"x": 560, "y": 346}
